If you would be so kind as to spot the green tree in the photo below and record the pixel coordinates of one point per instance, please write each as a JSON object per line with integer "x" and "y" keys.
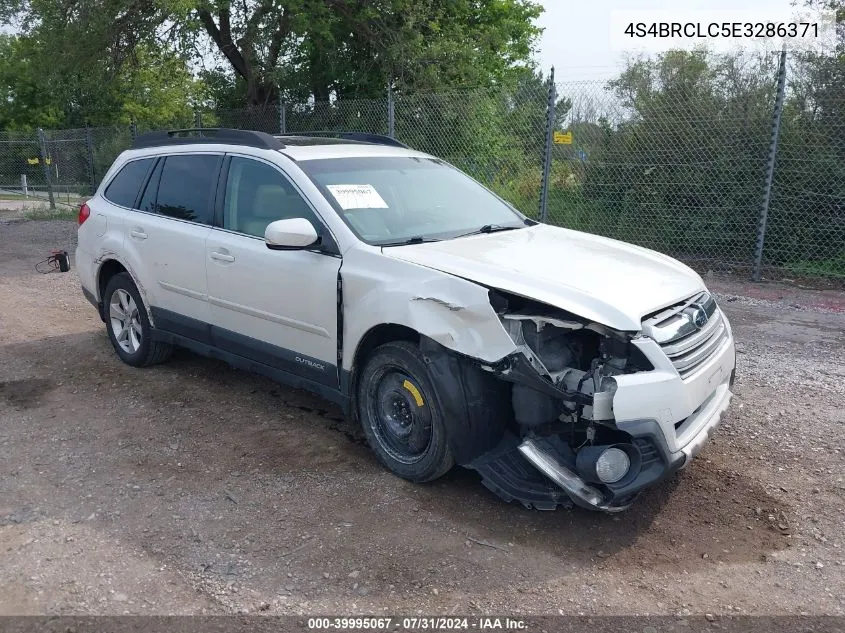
{"x": 40, "y": 87}
{"x": 311, "y": 48}
{"x": 25, "y": 100}
{"x": 680, "y": 162}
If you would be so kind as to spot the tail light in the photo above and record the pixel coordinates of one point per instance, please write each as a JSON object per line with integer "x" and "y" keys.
{"x": 84, "y": 212}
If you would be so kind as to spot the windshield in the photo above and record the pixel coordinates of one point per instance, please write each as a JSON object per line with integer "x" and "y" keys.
{"x": 406, "y": 199}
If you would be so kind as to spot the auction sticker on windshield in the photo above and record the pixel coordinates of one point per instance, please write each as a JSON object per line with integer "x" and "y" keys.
{"x": 357, "y": 197}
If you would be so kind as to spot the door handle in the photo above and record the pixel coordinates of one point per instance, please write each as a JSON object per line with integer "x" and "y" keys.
{"x": 222, "y": 257}
{"x": 138, "y": 234}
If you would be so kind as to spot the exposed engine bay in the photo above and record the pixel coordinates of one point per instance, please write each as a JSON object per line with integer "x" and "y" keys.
{"x": 578, "y": 359}
{"x": 551, "y": 407}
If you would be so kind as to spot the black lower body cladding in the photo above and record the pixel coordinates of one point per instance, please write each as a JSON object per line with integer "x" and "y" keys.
{"x": 476, "y": 407}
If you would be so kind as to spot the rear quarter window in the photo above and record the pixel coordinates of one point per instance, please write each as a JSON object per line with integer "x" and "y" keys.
{"x": 124, "y": 187}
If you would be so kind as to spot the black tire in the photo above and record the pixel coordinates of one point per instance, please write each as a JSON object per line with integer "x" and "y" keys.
{"x": 401, "y": 415}
{"x": 137, "y": 347}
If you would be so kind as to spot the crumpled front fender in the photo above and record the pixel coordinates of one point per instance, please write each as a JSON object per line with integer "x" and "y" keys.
{"x": 449, "y": 310}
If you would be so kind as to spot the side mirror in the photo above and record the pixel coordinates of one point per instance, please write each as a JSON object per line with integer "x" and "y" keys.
{"x": 289, "y": 235}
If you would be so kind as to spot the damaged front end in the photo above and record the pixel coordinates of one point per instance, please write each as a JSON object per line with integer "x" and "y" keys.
{"x": 538, "y": 425}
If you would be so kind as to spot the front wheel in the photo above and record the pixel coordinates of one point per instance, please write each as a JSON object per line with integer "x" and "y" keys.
{"x": 400, "y": 413}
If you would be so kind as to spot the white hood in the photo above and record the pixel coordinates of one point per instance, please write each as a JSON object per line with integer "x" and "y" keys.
{"x": 599, "y": 279}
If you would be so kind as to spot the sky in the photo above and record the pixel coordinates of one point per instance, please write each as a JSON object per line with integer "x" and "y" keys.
{"x": 576, "y": 40}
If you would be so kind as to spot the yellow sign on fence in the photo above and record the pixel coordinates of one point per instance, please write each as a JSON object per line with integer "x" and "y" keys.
{"x": 35, "y": 161}
{"x": 562, "y": 138}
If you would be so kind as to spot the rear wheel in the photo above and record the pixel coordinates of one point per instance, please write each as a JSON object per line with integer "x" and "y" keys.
{"x": 128, "y": 325}
{"x": 401, "y": 415}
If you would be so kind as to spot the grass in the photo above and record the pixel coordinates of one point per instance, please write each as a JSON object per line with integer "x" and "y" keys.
{"x": 11, "y": 196}
{"x": 834, "y": 267}
{"x": 46, "y": 213}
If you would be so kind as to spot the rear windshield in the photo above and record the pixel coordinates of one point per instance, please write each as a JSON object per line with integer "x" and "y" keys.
{"x": 388, "y": 200}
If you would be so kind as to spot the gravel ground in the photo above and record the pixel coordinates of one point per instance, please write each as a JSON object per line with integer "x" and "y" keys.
{"x": 194, "y": 488}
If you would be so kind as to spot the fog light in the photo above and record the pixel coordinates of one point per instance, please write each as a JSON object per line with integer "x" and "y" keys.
{"x": 612, "y": 465}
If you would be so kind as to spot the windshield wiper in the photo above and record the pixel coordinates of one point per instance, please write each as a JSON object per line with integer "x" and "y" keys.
{"x": 490, "y": 228}
{"x": 418, "y": 239}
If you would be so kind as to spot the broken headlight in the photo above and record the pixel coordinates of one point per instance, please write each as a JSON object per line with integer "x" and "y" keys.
{"x": 576, "y": 357}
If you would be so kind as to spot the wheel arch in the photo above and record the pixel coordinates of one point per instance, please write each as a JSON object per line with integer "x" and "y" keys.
{"x": 373, "y": 338}
{"x": 476, "y": 405}
{"x": 108, "y": 267}
{"x": 379, "y": 335}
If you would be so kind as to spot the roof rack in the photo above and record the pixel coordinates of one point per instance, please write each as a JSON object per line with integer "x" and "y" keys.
{"x": 191, "y": 136}
{"x": 361, "y": 137}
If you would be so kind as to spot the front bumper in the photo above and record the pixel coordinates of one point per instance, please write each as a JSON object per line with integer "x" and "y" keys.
{"x": 668, "y": 418}
{"x": 661, "y": 418}
{"x": 711, "y": 417}
{"x": 658, "y": 461}
{"x": 680, "y": 406}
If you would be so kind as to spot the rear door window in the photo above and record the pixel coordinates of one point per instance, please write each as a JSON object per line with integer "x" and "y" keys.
{"x": 124, "y": 187}
{"x": 148, "y": 198}
{"x": 186, "y": 187}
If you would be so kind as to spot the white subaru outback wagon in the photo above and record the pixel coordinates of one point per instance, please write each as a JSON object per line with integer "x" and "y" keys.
{"x": 563, "y": 367}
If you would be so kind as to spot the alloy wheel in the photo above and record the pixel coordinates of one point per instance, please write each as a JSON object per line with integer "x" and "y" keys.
{"x": 125, "y": 321}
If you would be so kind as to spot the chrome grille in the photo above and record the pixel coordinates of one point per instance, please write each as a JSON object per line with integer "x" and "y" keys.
{"x": 689, "y": 333}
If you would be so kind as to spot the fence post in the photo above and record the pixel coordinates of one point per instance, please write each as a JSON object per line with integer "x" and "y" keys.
{"x": 770, "y": 167}
{"x": 42, "y": 144}
{"x": 198, "y": 119}
{"x": 547, "y": 148}
{"x": 391, "y": 111}
{"x": 282, "y": 115}
{"x": 89, "y": 147}
{"x": 133, "y": 130}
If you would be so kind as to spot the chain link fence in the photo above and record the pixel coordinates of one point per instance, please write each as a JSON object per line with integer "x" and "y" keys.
{"x": 702, "y": 173}
{"x": 677, "y": 174}
{"x": 50, "y": 168}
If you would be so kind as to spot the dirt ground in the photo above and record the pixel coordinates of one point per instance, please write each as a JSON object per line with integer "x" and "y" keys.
{"x": 193, "y": 488}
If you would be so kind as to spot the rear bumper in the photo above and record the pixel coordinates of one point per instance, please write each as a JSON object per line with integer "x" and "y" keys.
{"x": 91, "y": 298}
{"x": 86, "y": 269}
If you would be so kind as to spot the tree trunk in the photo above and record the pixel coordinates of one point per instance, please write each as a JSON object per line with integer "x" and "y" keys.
{"x": 260, "y": 93}
{"x": 321, "y": 93}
